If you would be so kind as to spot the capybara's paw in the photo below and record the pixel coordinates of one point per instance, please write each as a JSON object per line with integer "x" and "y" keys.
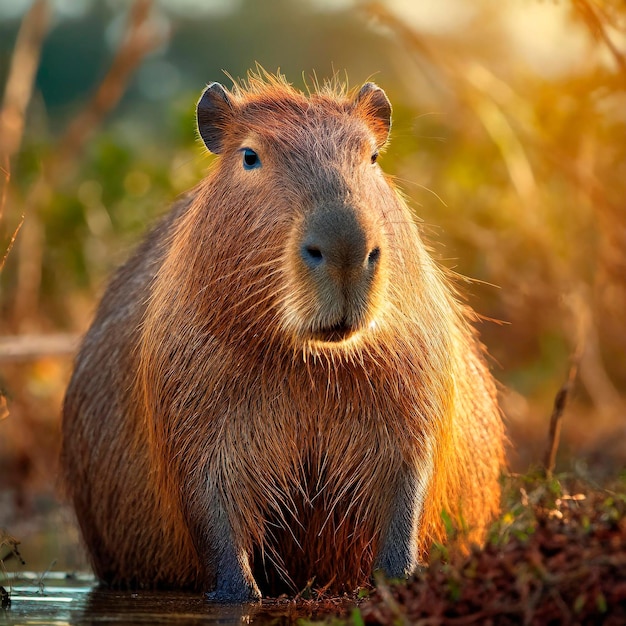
{"x": 233, "y": 594}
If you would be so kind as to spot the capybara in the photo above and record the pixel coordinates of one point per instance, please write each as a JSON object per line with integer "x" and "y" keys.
{"x": 280, "y": 385}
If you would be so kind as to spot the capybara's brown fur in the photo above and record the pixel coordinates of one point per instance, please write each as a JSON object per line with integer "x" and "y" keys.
{"x": 280, "y": 384}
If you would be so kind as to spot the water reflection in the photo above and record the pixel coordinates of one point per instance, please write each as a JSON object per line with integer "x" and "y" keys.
{"x": 77, "y": 600}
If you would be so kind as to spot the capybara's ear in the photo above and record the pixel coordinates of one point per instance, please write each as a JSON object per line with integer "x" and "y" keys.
{"x": 373, "y": 103}
{"x": 214, "y": 112}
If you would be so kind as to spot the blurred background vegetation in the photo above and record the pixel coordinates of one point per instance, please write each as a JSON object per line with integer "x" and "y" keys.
{"x": 509, "y": 138}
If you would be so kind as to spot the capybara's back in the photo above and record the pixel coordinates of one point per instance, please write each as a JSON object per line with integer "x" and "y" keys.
{"x": 280, "y": 386}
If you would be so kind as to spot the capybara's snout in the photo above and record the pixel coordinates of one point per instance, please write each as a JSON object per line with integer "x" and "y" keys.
{"x": 337, "y": 243}
{"x": 340, "y": 255}
{"x": 337, "y": 256}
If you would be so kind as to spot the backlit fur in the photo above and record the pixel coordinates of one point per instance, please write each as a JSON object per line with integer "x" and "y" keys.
{"x": 205, "y": 372}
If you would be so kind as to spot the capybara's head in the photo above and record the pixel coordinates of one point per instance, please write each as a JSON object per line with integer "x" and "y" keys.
{"x": 312, "y": 205}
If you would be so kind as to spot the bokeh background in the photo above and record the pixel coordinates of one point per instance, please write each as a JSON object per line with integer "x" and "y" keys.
{"x": 509, "y": 139}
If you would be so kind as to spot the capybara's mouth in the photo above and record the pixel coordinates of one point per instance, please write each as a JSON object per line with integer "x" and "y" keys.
{"x": 335, "y": 333}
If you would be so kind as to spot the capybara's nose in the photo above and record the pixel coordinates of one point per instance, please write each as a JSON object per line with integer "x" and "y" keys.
{"x": 336, "y": 241}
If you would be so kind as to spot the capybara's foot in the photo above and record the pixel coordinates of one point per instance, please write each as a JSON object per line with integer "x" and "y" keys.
{"x": 230, "y": 592}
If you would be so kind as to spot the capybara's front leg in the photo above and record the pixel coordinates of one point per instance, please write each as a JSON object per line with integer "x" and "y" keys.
{"x": 397, "y": 553}
{"x": 226, "y": 559}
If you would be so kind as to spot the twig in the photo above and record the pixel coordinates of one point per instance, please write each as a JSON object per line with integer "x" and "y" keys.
{"x": 5, "y": 170}
{"x": 19, "y": 86}
{"x": 40, "y": 583}
{"x": 581, "y": 327}
{"x": 560, "y": 401}
{"x": 8, "y": 547}
{"x": 17, "y": 95}
{"x": 11, "y": 242}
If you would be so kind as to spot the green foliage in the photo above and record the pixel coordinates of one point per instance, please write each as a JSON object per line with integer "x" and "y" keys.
{"x": 546, "y": 556}
{"x": 356, "y": 618}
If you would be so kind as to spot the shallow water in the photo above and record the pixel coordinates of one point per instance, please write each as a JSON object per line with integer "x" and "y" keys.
{"x": 61, "y": 599}
{"x": 49, "y": 542}
{"x": 77, "y": 600}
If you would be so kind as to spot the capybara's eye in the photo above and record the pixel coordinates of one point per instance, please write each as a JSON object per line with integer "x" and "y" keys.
{"x": 374, "y": 157}
{"x": 250, "y": 159}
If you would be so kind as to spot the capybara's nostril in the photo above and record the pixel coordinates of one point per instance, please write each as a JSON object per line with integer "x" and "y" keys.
{"x": 312, "y": 255}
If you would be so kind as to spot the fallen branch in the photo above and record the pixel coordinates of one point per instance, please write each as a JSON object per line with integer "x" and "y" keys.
{"x": 31, "y": 347}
